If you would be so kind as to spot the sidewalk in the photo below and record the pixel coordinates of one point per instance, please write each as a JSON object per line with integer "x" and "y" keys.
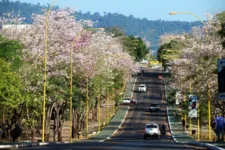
{"x": 118, "y": 118}
{"x": 178, "y": 134}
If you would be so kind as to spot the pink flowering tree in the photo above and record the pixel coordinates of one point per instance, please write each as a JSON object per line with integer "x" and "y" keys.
{"x": 97, "y": 60}
{"x": 197, "y": 64}
{"x": 95, "y": 54}
{"x": 61, "y": 33}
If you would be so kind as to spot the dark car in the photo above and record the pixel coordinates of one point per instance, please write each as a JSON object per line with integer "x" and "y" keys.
{"x": 133, "y": 101}
{"x": 154, "y": 107}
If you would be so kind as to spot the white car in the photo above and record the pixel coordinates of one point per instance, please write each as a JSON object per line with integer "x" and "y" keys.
{"x": 152, "y": 129}
{"x": 126, "y": 101}
{"x": 129, "y": 101}
{"x": 142, "y": 88}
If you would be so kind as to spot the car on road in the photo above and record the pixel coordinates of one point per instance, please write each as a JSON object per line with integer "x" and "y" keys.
{"x": 154, "y": 107}
{"x": 152, "y": 129}
{"x": 128, "y": 101}
{"x": 142, "y": 88}
{"x": 133, "y": 101}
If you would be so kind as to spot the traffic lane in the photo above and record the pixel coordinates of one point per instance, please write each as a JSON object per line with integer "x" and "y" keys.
{"x": 154, "y": 85}
{"x": 157, "y": 89}
{"x": 135, "y": 121}
{"x": 139, "y": 114}
{"x": 132, "y": 127}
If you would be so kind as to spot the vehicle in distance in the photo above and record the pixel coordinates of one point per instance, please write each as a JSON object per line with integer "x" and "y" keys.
{"x": 151, "y": 130}
{"x": 133, "y": 101}
{"x": 142, "y": 88}
{"x": 154, "y": 107}
{"x": 128, "y": 101}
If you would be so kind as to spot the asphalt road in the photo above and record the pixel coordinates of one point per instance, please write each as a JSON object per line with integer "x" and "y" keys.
{"x": 130, "y": 135}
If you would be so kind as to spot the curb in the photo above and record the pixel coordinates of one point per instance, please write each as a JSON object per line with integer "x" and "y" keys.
{"x": 205, "y": 145}
{"x": 213, "y": 147}
{"x": 173, "y": 138}
{"x": 21, "y": 145}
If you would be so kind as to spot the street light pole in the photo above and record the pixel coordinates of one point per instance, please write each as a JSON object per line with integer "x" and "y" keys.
{"x": 198, "y": 116}
{"x": 99, "y": 117}
{"x": 209, "y": 113}
{"x": 174, "y": 13}
{"x": 190, "y": 117}
{"x": 45, "y": 70}
{"x": 87, "y": 104}
{"x": 107, "y": 106}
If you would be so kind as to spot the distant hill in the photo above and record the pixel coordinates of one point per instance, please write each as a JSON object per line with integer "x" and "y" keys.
{"x": 149, "y": 29}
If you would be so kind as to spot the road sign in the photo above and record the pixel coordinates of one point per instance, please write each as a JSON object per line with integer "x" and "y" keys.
{"x": 178, "y": 98}
{"x": 193, "y": 103}
{"x": 193, "y": 113}
{"x": 221, "y": 78}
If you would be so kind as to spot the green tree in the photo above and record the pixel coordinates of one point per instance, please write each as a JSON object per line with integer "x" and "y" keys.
{"x": 19, "y": 90}
{"x": 11, "y": 51}
{"x": 11, "y": 97}
{"x": 221, "y": 32}
{"x": 135, "y": 47}
{"x": 164, "y": 51}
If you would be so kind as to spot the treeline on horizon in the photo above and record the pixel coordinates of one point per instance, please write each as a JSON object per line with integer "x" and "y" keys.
{"x": 151, "y": 30}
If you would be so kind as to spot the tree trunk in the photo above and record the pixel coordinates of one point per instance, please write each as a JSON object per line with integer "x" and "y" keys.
{"x": 74, "y": 127}
{"x": 95, "y": 113}
{"x": 60, "y": 139}
{"x": 61, "y": 122}
{"x": 54, "y": 130}
{"x": 9, "y": 135}
{"x": 33, "y": 135}
{"x": 57, "y": 120}
{"x": 26, "y": 134}
{"x": 48, "y": 119}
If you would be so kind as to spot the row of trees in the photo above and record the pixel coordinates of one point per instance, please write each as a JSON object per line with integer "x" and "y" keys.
{"x": 101, "y": 66}
{"x": 192, "y": 59}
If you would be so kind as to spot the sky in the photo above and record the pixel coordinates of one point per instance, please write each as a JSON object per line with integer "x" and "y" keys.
{"x": 149, "y": 9}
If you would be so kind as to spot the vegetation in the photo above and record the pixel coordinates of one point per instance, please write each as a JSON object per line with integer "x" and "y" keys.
{"x": 147, "y": 29}
{"x": 221, "y": 32}
{"x": 135, "y": 46}
{"x": 193, "y": 64}
{"x": 168, "y": 51}
{"x": 100, "y": 69}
